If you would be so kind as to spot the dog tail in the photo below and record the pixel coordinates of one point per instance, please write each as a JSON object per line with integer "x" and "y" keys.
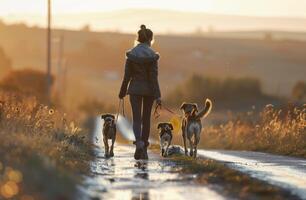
{"x": 206, "y": 110}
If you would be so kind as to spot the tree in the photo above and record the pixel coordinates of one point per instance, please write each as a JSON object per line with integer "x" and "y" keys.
{"x": 5, "y": 63}
{"x": 86, "y": 28}
{"x": 27, "y": 81}
{"x": 299, "y": 91}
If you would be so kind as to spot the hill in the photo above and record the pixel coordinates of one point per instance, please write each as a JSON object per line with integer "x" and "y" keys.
{"x": 95, "y": 60}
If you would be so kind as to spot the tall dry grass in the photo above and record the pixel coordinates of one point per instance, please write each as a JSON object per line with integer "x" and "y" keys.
{"x": 281, "y": 131}
{"x": 46, "y": 150}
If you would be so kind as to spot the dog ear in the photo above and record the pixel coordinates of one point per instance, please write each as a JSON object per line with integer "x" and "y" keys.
{"x": 103, "y": 116}
{"x": 160, "y": 125}
{"x": 171, "y": 126}
{"x": 183, "y": 106}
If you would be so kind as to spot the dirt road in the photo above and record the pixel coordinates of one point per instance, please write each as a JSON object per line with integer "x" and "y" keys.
{"x": 286, "y": 172}
{"x": 121, "y": 177}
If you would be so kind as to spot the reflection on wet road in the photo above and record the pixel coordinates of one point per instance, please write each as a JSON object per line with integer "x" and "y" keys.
{"x": 122, "y": 177}
{"x": 283, "y": 171}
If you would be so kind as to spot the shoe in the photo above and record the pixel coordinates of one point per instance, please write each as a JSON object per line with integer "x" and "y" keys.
{"x": 145, "y": 153}
{"x": 139, "y": 150}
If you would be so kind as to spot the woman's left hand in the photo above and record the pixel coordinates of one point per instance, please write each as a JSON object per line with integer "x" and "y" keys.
{"x": 158, "y": 102}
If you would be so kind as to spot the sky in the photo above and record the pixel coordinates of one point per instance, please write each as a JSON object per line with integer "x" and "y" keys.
{"x": 293, "y": 8}
{"x": 32, "y": 11}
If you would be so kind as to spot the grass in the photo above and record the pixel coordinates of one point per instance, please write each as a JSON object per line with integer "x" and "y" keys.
{"x": 274, "y": 130}
{"x": 234, "y": 184}
{"x": 42, "y": 153}
{"x": 280, "y": 131}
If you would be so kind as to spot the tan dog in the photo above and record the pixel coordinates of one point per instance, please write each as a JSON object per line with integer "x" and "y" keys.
{"x": 192, "y": 126}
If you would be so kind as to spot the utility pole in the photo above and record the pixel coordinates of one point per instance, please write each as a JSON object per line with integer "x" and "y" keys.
{"x": 49, "y": 81}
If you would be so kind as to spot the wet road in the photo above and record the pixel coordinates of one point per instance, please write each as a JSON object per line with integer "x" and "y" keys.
{"x": 121, "y": 177}
{"x": 283, "y": 171}
{"x": 286, "y": 172}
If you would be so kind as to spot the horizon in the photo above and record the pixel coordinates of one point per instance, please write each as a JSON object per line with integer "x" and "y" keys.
{"x": 220, "y": 7}
{"x": 127, "y": 21}
{"x": 126, "y": 16}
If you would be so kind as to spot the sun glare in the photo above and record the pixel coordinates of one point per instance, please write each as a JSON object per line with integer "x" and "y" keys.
{"x": 126, "y": 15}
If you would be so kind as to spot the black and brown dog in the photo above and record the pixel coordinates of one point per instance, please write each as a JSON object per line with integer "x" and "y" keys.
{"x": 109, "y": 133}
{"x": 165, "y": 136}
{"x": 192, "y": 126}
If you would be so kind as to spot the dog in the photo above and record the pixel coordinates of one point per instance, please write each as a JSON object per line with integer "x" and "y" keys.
{"x": 192, "y": 126}
{"x": 165, "y": 136}
{"x": 109, "y": 133}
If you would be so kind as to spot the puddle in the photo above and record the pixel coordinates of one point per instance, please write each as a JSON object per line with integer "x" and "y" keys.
{"x": 121, "y": 177}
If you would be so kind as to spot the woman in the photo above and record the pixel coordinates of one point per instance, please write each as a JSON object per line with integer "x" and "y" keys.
{"x": 141, "y": 84}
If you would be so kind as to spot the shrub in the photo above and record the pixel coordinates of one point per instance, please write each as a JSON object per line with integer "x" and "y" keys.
{"x": 29, "y": 82}
{"x": 5, "y": 62}
{"x": 228, "y": 93}
{"x": 299, "y": 91}
{"x": 42, "y": 146}
{"x": 280, "y": 131}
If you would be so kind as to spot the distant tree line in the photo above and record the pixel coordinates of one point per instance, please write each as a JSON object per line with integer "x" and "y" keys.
{"x": 5, "y": 63}
{"x": 28, "y": 82}
{"x": 229, "y": 93}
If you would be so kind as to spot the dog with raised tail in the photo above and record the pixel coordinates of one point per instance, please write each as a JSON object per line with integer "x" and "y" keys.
{"x": 192, "y": 126}
{"x": 109, "y": 133}
{"x": 165, "y": 136}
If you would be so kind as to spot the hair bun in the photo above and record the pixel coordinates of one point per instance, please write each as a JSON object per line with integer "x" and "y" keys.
{"x": 143, "y": 27}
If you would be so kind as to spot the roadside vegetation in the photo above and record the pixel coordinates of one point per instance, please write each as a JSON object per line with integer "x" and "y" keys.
{"x": 250, "y": 120}
{"x": 234, "y": 184}
{"x": 43, "y": 153}
{"x": 275, "y": 130}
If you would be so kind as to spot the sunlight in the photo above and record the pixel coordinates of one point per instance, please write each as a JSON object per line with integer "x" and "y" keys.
{"x": 237, "y": 7}
{"x": 163, "y": 16}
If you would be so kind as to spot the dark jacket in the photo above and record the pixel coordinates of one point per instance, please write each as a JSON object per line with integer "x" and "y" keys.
{"x": 141, "y": 72}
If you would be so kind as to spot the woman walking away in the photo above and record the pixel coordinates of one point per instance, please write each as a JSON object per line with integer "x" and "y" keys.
{"x": 141, "y": 84}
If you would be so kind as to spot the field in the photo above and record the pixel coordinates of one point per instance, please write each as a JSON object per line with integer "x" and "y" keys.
{"x": 43, "y": 152}
{"x": 92, "y": 62}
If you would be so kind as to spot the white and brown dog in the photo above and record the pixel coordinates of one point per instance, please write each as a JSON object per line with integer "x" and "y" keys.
{"x": 165, "y": 136}
{"x": 192, "y": 126}
{"x": 109, "y": 133}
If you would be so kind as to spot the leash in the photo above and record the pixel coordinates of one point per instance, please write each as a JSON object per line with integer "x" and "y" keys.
{"x": 121, "y": 105}
{"x": 157, "y": 114}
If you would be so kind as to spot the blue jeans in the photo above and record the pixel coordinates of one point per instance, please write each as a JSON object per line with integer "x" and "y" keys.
{"x": 141, "y": 108}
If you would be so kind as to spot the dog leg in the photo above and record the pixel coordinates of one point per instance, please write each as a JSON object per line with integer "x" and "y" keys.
{"x": 111, "y": 154}
{"x": 167, "y": 148}
{"x": 184, "y": 137}
{"x": 195, "y": 152}
{"x": 185, "y": 146}
{"x": 162, "y": 152}
{"x": 191, "y": 147}
{"x": 197, "y": 140}
{"x": 106, "y": 148}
